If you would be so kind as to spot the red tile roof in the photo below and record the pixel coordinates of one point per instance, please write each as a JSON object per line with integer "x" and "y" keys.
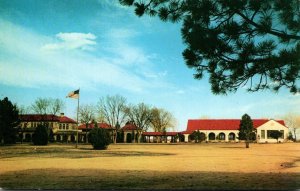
{"x": 92, "y": 125}
{"x": 221, "y": 124}
{"x": 129, "y": 126}
{"x": 46, "y": 117}
{"x": 38, "y": 117}
{"x": 64, "y": 119}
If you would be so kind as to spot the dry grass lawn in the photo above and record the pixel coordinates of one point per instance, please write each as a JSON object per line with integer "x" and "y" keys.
{"x": 152, "y": 166}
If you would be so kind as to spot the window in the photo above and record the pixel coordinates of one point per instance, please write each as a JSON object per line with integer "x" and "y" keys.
{"x": 221, "y": 136}
{"x": 282, "y": 136}
{"x": 270, "y": 131}
{"x": 231, "y": 136}
{"x": 59, "y": 126}
{"x": 263, "y": 134}
{"x": 64, "y": 126}
{"x": 67, "y": 125}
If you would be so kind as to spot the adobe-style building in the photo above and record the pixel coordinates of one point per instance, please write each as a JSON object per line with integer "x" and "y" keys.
{"x": 213, "y": 130}
{"x": 63, "y": 127}
{"x": 226, "y": 130}
{"x": 130, "y": 132}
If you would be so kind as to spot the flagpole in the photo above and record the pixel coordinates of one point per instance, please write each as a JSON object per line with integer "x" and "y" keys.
{"x": 77, "y": 117}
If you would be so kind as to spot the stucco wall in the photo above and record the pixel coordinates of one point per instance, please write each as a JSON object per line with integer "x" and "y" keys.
{"x": 271, "y": 125}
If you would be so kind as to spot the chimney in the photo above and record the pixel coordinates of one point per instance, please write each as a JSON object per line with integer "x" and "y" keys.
{"x": 62, "y": 114}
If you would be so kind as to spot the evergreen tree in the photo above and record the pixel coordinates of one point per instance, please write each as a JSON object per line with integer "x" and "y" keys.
{"x": 238, "y": 43}
{"x": 8, "y": 122}
{"x": 40, "y": 135}
{"x": 51, "y": 135}
{"x": 99, "y": 138}
{"x": 276, "y": 135}
{"x": 246, "y": 129}
{"x": 197, "y": 136}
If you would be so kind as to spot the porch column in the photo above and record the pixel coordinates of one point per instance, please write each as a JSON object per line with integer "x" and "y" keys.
{"x": 186, "y": 138}
{"x": 125, "y": 137}
{"x": 226, "y": 137}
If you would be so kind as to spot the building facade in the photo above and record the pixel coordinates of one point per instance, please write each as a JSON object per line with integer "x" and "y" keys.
{"x": 226, "y": 130}
{"x": 64, "y": 128}
{"x": 211, "y": 130}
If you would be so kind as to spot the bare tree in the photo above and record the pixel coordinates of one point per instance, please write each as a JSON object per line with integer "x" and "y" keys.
{"x": 41, "y": 106}
{"x": 111, "y": 110}
{"x": 48, "y": 106}
{"x": 141, "y": 115}
{"x": 292, "y": 121}
{"x": 55, "y": 106}
{"x": 86, "y": 114}
{"x": 23, "y": 109}
{"x": 161, "y": 120}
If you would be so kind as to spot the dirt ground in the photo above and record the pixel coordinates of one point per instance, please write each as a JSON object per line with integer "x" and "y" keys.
{"x": 213, "y": 166}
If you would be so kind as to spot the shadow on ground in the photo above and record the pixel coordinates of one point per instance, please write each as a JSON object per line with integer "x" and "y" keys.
{"x": 127, "y": 179}
{"x": 72, "y": 153}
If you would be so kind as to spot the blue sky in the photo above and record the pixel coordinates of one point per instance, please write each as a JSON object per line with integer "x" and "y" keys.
{"x": 49, "y": 48}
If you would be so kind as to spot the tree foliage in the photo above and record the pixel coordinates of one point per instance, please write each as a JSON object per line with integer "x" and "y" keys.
{"x": 276, "y": 135}
{"x": 8, "y": 121}
{"x": 40, "y": 135}
{"x": 99, "y": 138}
{"x": 198, "y": 136}
{"x": 161, "y": 120}
{"x": 249, "y": 43}
{"x": 246, "y": 129}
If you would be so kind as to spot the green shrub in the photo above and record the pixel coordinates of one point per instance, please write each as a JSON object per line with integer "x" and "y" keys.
{"x": 40, "y": 135}
{"x": 99, "y": 138}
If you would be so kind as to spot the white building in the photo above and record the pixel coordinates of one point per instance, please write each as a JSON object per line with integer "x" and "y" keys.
{"x": 226, "y": 130}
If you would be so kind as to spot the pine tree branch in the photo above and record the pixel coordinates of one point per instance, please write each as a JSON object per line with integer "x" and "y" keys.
{"x": 272, "y": 31}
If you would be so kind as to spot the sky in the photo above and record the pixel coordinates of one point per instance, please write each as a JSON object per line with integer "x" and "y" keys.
{"x": 49, "y": 48}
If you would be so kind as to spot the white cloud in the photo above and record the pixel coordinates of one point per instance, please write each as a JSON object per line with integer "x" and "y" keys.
{"x": 28, "y": 62}
{"x": 122, "y": 33}
{"x": 24, "y": 63}
{"x": 71, "y": 41}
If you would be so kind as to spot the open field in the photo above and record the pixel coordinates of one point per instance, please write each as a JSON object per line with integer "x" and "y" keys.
{"x": 152, "y": 166}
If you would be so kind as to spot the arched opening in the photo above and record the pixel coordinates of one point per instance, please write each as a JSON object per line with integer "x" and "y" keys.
{"x": 191, "y": 138}
{"x": 181, "y": 137}
{"x": 222, "y": 136}
{"x": 211, "y": 136}
{"x": 202, "y": 137}
{"x": 231, "y": 136}
{"x": 120, "y": 137}
{"x": 58, "y": 139}
{"x": 72, "y": 138}
{"x": 65, "y": 138}
{"x": 28, "y": 137}
{"x": 128, "y": 138}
